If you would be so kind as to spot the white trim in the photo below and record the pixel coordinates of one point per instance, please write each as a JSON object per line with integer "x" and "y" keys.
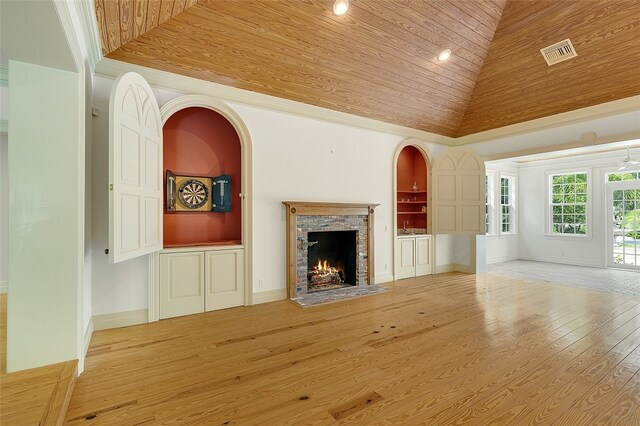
{"x": 499, "y": 259}
{"x": 561, "y": 261}
{"x": 467, "y": 269}
{"x": 607, "y": 109}
{"x": 87, "y": 338}
{"x": 89, "y": 26}
{"x": 154, "y": 287}
{"x": 4, "y": 287}
{"x": 64, "y": 16}
{"x": 609, "y": 188}
{"x": 269, "y": 296}
{"x": 443, "y": 269}
{"x": 112, "y": 68}
{"x": 384, "y": 278}
{"x": 4, "y": 75}
{"x": 120, "y": 319}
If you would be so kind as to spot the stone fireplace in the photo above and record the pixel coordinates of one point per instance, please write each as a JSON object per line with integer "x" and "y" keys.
{"x": 329, "y": 246}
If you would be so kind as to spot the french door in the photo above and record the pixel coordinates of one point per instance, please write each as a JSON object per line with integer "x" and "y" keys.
{"x": 623, "y": 224}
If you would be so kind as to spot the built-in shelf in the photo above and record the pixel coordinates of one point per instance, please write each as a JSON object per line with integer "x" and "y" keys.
{"x": 411, "y": 193}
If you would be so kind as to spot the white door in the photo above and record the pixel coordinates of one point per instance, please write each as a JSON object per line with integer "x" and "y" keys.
{"x": 135, "y": 169}
{"x": 405, "y": 258}
{"x": 181, "y": 284}
{"x": 623, "y": 224}
{"x": 224, "y": 278}
{"x": 458, "y": 193}
{"x": 423, "y": 256}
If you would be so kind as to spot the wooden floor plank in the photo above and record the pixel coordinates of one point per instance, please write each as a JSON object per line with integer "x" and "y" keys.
{"x": 437, "y": 349}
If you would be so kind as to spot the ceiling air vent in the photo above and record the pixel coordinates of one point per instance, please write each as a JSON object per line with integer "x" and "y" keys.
{"x": 558, "y": 52}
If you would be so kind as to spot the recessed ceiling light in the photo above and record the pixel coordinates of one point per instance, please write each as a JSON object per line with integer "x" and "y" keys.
{"x": 340, "y": 7}
{"x": 444, "y": 55}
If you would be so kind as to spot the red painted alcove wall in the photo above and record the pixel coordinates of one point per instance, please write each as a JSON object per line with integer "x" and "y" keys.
{"x": 411, "y": 167}
{"x": 201, "y": 142}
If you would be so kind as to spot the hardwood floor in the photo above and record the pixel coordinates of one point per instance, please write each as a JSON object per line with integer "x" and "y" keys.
{"x": 444, "y": 349}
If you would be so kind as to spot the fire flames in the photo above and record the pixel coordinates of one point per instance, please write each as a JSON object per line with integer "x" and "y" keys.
{"x": 323, "y": 266}
{"x": 324, "y": 274}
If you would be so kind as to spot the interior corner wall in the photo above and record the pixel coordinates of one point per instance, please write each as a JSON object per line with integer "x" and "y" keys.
{"x": 502, "y": 247}
{"x": 4, "y": 211}
{"x": 535, "y": 243}
{"x": 46, "y": 215}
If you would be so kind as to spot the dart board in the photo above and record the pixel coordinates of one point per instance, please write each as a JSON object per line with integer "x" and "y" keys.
{"x": 193, "y": 194}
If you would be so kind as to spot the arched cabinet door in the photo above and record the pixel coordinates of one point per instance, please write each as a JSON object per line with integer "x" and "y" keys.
{"x": 458, "y": 192}
{"x": 135, "y": 169}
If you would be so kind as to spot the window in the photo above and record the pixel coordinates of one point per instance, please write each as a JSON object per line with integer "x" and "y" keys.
{"x": 568, "y": 194}
{"x": 487, "y": 207}
{"x": 507, "y": 209}
{"x": 623, "y": 176}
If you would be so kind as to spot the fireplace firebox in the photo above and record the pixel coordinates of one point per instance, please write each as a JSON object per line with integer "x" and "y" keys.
{"x": 331, "y": 260}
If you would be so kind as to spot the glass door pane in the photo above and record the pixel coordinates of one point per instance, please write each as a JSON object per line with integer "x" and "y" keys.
{"x": 626, "y": 228}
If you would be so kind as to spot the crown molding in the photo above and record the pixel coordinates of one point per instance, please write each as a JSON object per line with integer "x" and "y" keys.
{"x": 87, "y": 12}
{"x": 4, "y": 75}
{"x": 607, "y": 109}
{"x": 112, "y": 68}
{"x": 63, "y": 9}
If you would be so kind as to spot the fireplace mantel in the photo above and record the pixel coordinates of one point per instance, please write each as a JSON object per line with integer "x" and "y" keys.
{"x": 295, "y": 209}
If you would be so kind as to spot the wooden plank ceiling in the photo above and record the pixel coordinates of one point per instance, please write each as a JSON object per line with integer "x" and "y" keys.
{"x": 380, "y": 59}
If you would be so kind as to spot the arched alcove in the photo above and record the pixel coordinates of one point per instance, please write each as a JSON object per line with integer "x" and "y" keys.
{"x": 191, "y": 118}
{"x": 413, "y": 248}
{"x": 198, "y": 141}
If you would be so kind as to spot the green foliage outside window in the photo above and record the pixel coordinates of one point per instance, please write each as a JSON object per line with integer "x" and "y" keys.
{"x": 569, "y": 204}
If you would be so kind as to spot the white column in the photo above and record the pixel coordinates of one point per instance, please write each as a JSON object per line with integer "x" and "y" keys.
{"x": 46, "y": 215}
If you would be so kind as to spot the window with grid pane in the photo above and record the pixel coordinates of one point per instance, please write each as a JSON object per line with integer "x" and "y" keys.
{"x": 486, "y": 205}
{"x": 569, "y": 203}
{"x": 506, "y": 204}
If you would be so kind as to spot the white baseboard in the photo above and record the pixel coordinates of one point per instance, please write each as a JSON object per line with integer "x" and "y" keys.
{"x": 87, "y": 337}
{"x": 385, "y": 278}
{"x": 269, "y": 296}
{"x": 499, "y": 259}
{"x": 443, "y": 269}
{"x": 467, "y": 269}
{"x": 120, "y": 319}
{"x": 575, "y": 262}
{"x": 454, "y": 267}
{"x": 4, "y": 287}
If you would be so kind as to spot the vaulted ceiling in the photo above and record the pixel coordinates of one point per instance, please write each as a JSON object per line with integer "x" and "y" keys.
{"x": 379, "y": 60}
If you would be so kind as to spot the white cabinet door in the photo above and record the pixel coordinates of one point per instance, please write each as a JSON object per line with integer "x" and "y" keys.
{"x": 135, "y": 169}
{"x": 224, "y": 278}
{"x": 458, "y": 193}
{"x": 181, "y": 284}
{"x": 405, "y": 258}
{"x": 423, "y": 256}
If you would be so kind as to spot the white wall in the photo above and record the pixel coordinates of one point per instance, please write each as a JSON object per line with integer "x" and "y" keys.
{"x": 535, "y": 243}
{"x": 4, "y": 212}
{"x": 46, "y": 215}
{"x": 87, "y": 312}
{"x": 502, "y": 247}
{"x": 294, "y": 158}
